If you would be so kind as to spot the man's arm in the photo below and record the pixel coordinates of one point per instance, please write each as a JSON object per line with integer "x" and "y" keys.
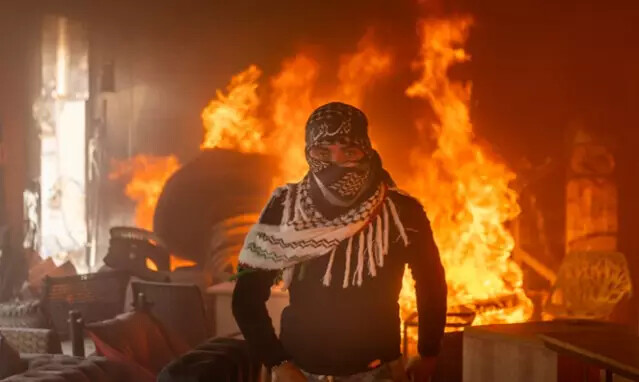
{"x": 251, "y": 292}
{"x": 430, "y": 284}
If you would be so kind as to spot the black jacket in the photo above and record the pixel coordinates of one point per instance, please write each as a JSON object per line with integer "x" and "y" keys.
{"x": 340, "y": 331}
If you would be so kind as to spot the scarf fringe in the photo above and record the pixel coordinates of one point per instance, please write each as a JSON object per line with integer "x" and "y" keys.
{"x": 287, "y": 277}
{"x": 371, "y": 251}
{"x": 299, "y": 211}
{"x": 327, "y": 276}
{"x": 379, "y": 241}
{"x": 398, "y": 223}
{"x": 373, "y": 245}
{"x": 347, "y": 270}
{"x": 357, "y": 279}
{"x": 386, "y": 229}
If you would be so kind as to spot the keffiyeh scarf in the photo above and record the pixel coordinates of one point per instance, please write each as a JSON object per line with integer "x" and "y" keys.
{"x": 339, "y": 123}
{"x": 305, "y": 234}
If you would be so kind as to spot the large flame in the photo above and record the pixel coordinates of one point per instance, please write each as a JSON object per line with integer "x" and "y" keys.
{"x": 465, "y": 192}
{"x": 294, "y": 96}
{"x": 147, "y": 176}
{"x": 358, "y": 71}
{"x": 292, "y": 102}
{"x": 230, "y": 120}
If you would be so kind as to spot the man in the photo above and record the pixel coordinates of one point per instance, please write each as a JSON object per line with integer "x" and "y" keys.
{"x": 339, "y": 239}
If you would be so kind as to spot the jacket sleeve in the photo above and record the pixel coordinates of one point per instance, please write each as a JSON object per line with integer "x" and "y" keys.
{"x": 430, "y": 282}
{"x": 252, "y": 290}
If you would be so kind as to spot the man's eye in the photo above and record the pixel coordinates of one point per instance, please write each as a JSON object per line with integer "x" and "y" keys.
{"x": 352, "y": 153}
{"x": 321, "y": 154}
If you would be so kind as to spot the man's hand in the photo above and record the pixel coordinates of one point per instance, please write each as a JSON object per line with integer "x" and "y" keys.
{"x": 421, "y": 369}
{"x": 287, "y": 372}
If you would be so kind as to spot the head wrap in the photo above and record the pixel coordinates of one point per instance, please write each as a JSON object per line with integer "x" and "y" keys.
{"x": 335, "y": 123}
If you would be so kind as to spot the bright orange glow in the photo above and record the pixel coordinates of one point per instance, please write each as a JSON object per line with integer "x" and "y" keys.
{"x": 230, "y": 120}
{"x": 294, "y": 96}
{"x": 464, "y": 190}
{"x": 180, "y": 262}
{"x": 148, "y": 175}
{"x": 150, "y": 264}
{"x": 292, "y": 103}
{"x": 358, "y": 71}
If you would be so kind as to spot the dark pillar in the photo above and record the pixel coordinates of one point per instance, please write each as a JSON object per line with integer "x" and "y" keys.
{"x": 19, "y": 28}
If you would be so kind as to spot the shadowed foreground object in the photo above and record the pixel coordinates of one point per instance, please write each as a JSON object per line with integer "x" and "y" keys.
{"x": 97, "y": 296}
{"x": 137, "y": 339}
{"x": 179, "y": 307}
{"x": 221, "y": 359}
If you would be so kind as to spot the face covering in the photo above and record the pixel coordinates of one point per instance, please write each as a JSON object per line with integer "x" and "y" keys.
{"x": 340, "y": 123}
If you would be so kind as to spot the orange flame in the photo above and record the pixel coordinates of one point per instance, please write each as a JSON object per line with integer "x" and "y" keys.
{"x": 359, "y": 70}
{"x": 148, "y": 175}
{"x": 230, "y": 120}
{"x": 466, "y": 193}
{"x": 176, "y": 262}
{"x": 150, "y": 264}
{"x": 294, "y": 98}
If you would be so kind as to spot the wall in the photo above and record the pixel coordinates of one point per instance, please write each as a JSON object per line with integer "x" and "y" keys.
{"x": 18, "y": 84}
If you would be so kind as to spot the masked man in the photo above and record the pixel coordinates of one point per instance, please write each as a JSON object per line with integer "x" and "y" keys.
{"x": 340, "y": 239}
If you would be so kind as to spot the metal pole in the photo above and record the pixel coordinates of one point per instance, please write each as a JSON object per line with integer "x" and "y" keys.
{"x": 76, "y": 331}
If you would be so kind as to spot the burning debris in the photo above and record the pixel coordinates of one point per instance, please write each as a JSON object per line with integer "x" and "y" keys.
{"x": 466, "y": 193}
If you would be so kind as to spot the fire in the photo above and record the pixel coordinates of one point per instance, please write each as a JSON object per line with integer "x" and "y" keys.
{"x": 175, "y": 262}
{"x": 148, "y": 175}
{"x": 150, "y": 264}
{"x": 464, "y": 190}
{"x": 230, "y": 120}
{"x": 292, "y": 102}
{"x": 294, "y": 98}
{"x": 359, "y": 70}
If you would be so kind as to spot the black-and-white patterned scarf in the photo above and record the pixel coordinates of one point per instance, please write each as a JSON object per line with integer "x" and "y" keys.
{"x": 339, "y": 123}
